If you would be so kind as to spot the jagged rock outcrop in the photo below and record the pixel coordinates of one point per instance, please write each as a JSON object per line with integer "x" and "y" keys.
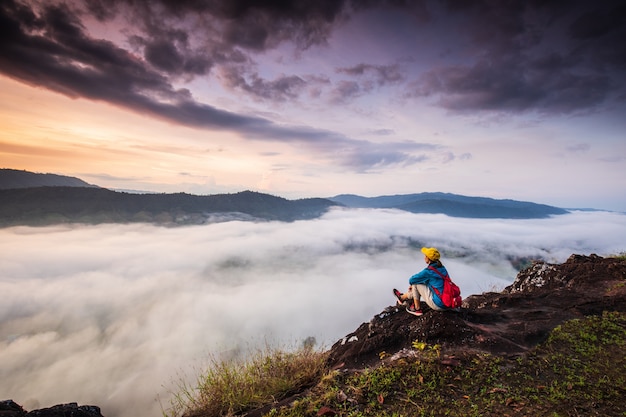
{"x": 9, "y": 408}
{"x": 507, "y": 323}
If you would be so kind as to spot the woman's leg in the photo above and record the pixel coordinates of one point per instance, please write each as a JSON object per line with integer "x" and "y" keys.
{"x": 415, "y": 294}
{"x": 424, "y": 292}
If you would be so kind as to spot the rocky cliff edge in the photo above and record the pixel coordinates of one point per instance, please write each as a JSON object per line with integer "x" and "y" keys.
{"x": 506, "y": 323}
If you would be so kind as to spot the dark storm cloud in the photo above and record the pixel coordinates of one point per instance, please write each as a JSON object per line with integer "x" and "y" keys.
{"x": 381, "y": 74}
{"x": 598, "y": 22}
{"x": 251, "y": 25}
{"x": 51, "y": 49}
{"x": 365, "y": 78}
{"x": 278, "y": 90}
{"x": 345, "y": 91}
{"x": 547, "y": 57}
{"x": 172, "y": 57}
{"x": 545, "y": 85}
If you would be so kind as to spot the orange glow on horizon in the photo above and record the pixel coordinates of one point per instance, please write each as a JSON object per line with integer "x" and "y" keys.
{"x": 42, "y": 131}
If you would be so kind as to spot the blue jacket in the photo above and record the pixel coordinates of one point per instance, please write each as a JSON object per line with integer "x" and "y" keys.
{"x": 433, "y": 280}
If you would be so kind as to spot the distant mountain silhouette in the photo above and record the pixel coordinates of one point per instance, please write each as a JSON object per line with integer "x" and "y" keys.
{"x": 41, "y": 199}
{"x": 27, "y": 198}
{"x": 452, "y": 205}
{"x": 50, "y": 205}
{"x": 13, "y": 178}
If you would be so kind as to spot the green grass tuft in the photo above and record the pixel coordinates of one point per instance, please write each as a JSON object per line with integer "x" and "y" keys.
{"x": 229, "y": 387}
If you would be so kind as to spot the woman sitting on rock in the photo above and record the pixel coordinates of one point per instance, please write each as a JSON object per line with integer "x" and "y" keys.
{"x": 422, "y": 284}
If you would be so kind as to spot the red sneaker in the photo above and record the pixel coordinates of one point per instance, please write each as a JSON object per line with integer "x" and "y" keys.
{"x": 398, "y": 295}
{"x": 412, "y": 310}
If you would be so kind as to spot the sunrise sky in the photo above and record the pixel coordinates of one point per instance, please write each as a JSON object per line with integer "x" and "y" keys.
{"x": 506, "y": 99}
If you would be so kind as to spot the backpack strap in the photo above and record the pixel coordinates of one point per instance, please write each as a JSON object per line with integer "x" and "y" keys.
{"x": 432, "y": 268}
{"x": 444, "y": 277}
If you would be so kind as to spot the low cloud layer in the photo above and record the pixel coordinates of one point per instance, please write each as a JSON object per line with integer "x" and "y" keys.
{"x": 115, "y": 315}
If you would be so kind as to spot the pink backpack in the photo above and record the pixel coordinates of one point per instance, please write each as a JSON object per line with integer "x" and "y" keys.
{"x": 451, "y": 295}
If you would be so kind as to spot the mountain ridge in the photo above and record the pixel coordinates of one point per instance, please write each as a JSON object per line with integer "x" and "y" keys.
{"x": 453, "y": 205}
{"x": 14, "y": 178}
{"x": 28, "y": 198}
{"x": 40, "y": 206}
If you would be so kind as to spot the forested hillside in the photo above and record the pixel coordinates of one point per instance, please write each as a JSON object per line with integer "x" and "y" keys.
{"x": 453, "y": 205}
{"x": 13, "y": 178}
{"x": 51, "y": 205}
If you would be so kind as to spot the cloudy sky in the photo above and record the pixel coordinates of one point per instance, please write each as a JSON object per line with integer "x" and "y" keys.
{"x": 512, "y": 99}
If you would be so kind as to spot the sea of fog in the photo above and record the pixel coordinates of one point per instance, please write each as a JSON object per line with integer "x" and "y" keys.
{"x": 118, "y": 315}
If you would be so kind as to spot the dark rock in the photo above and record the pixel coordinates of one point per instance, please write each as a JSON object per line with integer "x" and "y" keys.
{"x": 8, "y": 408}
{"x": 507, "y": 323}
